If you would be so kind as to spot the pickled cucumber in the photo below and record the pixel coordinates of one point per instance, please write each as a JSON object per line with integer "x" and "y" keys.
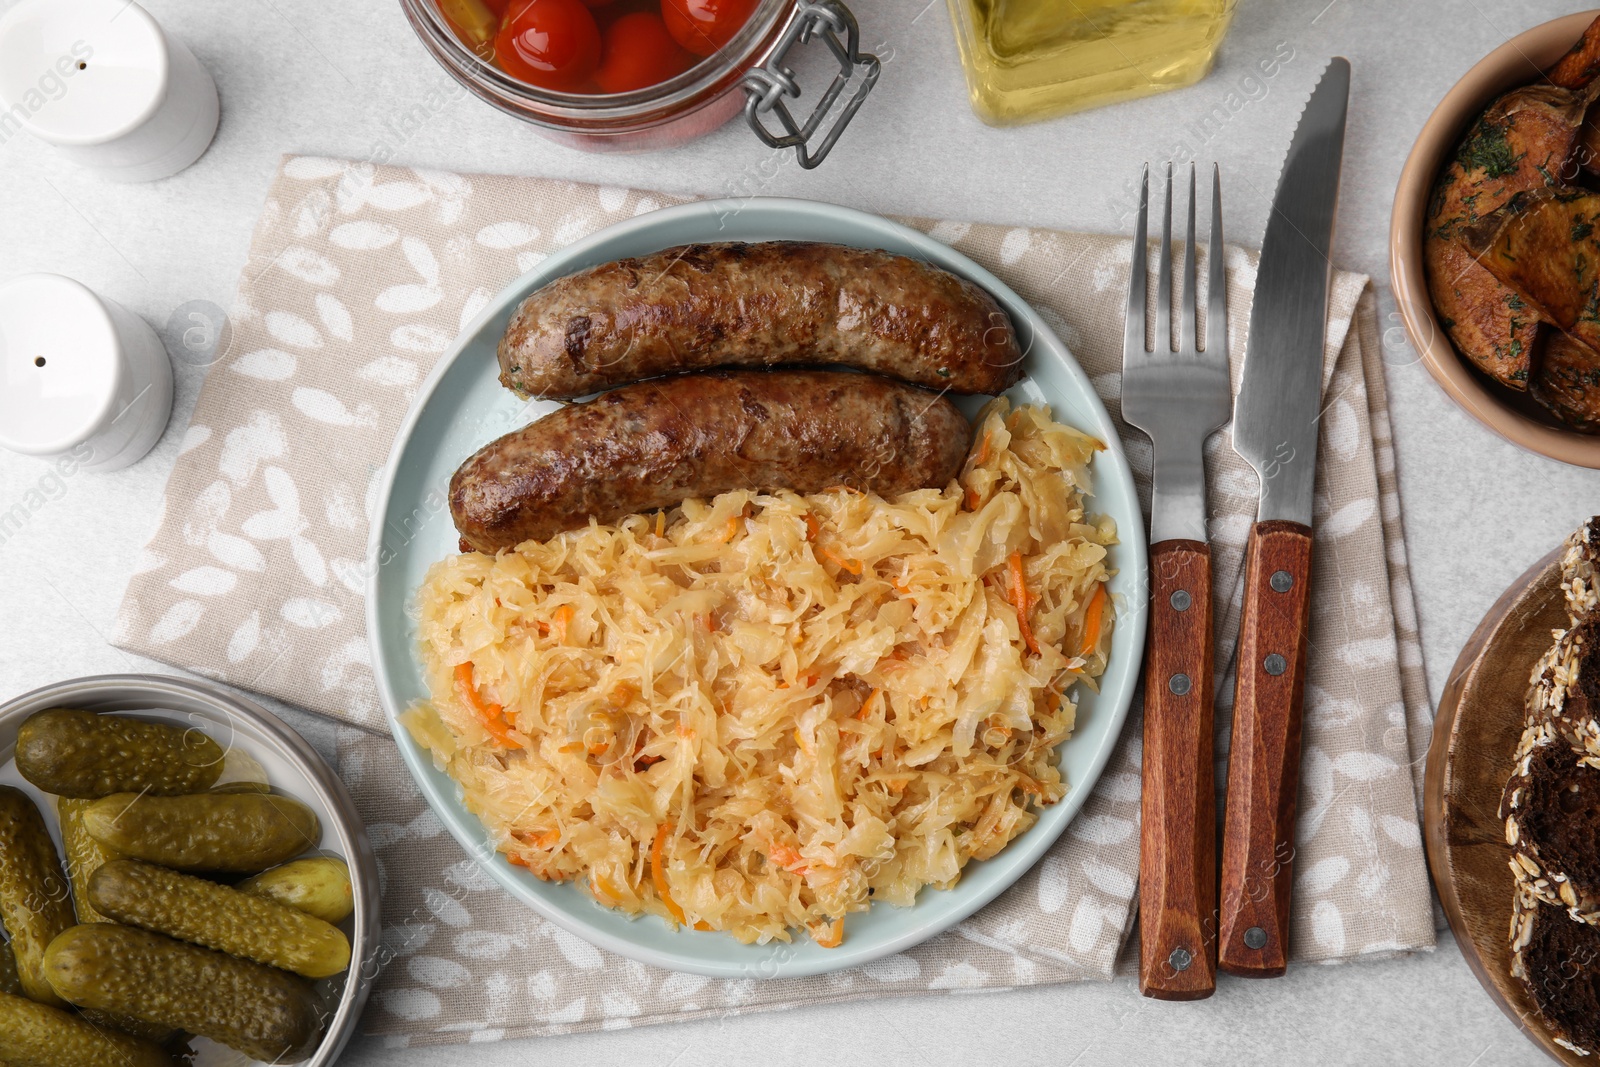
{"x": 242, "y": 832}
{"x": 318, "y": 886}
{"x": 35, "y": 902}
{"x": 80, "y": 754}
{"x": 241, "y": 773}
{"x": 84, "y": 856}
{"x": 36, "y": 1035}
{"x": 219, "y": 917}
{"x": 260, "y": 1011}
{"x": 10, "y": 981}
{"x": 155, "y": 1033}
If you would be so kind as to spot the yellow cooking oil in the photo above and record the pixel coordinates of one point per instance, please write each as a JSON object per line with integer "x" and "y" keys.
{"x": 1032, "y": 59}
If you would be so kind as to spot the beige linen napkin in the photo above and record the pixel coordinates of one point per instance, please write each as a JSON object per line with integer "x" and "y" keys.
{"x": 359, "y": 277}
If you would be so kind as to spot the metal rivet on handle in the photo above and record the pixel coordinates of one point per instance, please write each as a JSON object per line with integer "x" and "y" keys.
{"x": 1180, "y": 959}
{"x": 1180, "y": 600}
{"x": 1275, "y": 664}
{"x": 1255, "y": 937}
{"x": 1282, "y": 581}
{"x": 1179, "y": 684}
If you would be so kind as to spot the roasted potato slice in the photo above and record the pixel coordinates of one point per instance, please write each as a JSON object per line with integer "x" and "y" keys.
{"x": 1579, "y": 66}
{"x": 1546, "y": 247}
{"x": 1521, "y": 143}
{"x": 1567, "y": 383}
{"x": 1489, "y": 323}
{"x": 1586, "y": 155}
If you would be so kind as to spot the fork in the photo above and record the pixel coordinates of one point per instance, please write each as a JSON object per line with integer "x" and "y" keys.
{"x": 1178, "y": 397}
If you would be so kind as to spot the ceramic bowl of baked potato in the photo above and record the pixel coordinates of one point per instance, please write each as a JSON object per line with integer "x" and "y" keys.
{"x": 1495, "y": 241}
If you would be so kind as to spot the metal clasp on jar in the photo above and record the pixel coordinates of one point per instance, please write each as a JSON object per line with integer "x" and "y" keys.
{"x": 768, "y": 84}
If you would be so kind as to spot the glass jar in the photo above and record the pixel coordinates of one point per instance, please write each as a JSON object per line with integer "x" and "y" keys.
{"x": 1033, "y": 59}
{"x": 748, "y": 74}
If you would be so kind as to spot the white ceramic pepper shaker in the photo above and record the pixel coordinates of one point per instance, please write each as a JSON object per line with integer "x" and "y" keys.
{"x": 102, "y": 82}
{"x": 80, "y": 375}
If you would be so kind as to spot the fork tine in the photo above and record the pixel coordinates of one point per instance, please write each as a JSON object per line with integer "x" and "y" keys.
{"x": 1164, "y": 276}
{"x": 1188, "y": 336}
{"x": 1217, "y": 297}
{"x": 1133, "y": 323}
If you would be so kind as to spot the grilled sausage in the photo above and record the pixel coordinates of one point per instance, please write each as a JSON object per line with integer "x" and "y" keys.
{"x": 758, "y": 305}
{"x": 655, "y": 444}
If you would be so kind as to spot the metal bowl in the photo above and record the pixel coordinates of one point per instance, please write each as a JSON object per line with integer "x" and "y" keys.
{"x": 293, "y": 767}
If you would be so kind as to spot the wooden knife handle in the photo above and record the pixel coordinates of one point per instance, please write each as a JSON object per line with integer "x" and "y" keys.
{"x": 1178, "y": 838}
{"x": 1264, "y": 760}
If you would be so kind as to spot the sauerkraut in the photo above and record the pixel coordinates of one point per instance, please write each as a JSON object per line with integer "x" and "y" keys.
{"x": 761, "y": 713}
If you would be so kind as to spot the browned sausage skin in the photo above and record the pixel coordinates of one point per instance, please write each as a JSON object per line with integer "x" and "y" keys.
{"x": 758, "y": 305}
{"x": 655, "y": 444}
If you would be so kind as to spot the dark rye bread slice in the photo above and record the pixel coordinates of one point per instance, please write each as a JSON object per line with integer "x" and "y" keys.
{"x": 1580, "y": 567}
{"x": 1564, "y": 690}
{"x": 1558, "y": 962}
{"x": 1551, "y": 806}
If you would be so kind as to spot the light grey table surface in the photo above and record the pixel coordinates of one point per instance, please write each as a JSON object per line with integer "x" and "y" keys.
{"x": 339, "y": 78}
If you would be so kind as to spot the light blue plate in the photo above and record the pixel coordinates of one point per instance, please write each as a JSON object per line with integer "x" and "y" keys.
{"x": 462, "y": 406}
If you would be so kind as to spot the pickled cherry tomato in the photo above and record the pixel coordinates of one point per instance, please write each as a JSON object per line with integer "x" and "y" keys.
{"x": 638, "y": 51}
{"x": 703, "y": 26}
{"x": 553, "y": 44}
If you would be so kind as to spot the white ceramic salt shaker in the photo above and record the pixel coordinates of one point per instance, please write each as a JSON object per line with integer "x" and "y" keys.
{"x": 102, "y": 82}
{"x": 80, "y": 375}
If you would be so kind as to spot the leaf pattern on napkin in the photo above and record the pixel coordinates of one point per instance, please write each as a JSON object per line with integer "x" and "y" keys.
{"x": 360, "y": 276}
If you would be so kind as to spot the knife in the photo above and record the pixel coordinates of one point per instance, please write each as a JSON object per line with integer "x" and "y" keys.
{"x": 1275, "y": 421}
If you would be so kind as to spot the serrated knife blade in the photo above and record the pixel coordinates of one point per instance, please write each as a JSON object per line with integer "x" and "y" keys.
{"x": 1280, "y": 392}
{"x": 1275, "y": 419}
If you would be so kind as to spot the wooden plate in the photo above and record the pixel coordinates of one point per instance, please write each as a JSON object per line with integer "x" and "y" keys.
{"x": 1474, "y": 736}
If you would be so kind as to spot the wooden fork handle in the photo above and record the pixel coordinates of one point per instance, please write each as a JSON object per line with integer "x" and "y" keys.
{"x": 1178, "y": 836}
{"x": 1264, "y": 759}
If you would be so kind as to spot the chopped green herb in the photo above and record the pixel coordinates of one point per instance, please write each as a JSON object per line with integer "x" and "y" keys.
{"x": 1487, "y": 149}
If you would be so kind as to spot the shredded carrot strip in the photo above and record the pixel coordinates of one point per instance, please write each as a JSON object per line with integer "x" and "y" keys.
{"x": 701, "y": 924}
{"x": 787, "y": 858}
{"x": 983, "y": 449}
{"x": 548, "y": 839}
{"x": 661, "y": 523}
{"x": 813, "y": 527}
{"x": 710, "y": 623}
{"x": 600, "y": 887}
{"x": 598, "y": 749}
{"x": 658, "y": 875}
{"x": 852, "y": 565}
{"x": 733, "y": 528}
{"x": 898, "y": 783}
{"x": 833, "y": 938}
{"x": 1019, "y": 598}
{"x": 972, "y": 499}
{"x": 869, "y": 704}
{"x": 562, "y": 620}
{"x": 1092, "y": 618}
{"x": 492, "y": 716}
